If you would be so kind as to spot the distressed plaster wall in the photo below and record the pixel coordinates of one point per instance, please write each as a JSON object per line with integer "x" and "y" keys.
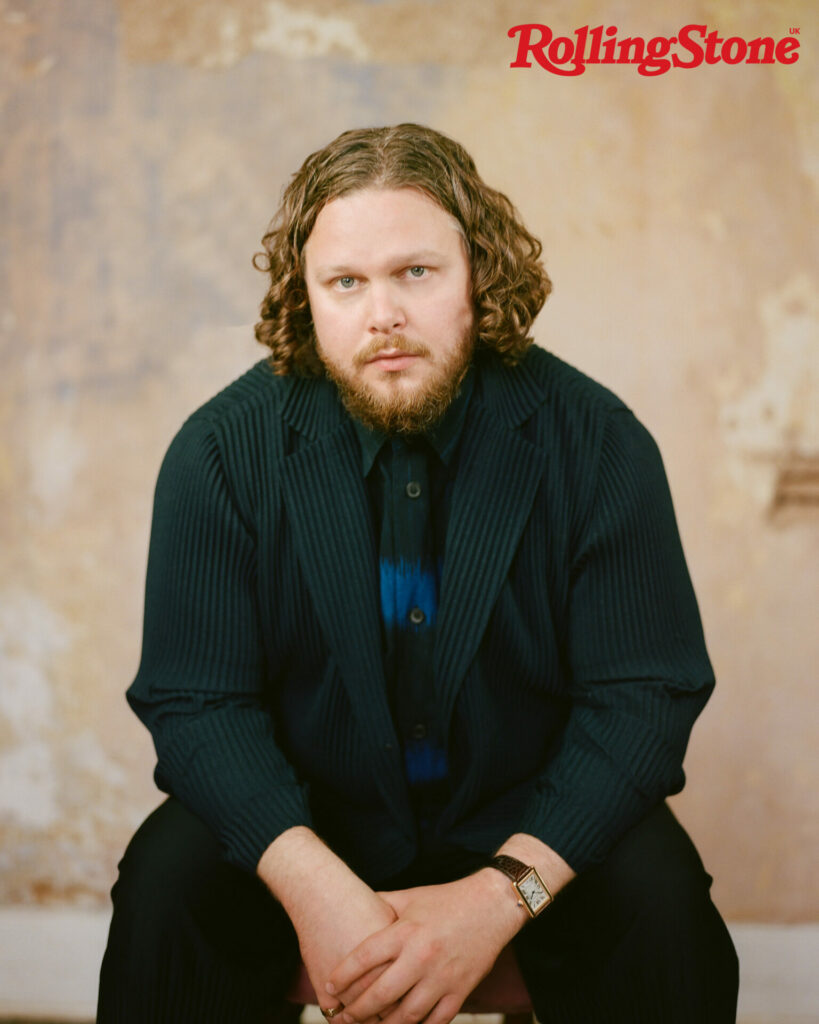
{"x": 143, "y": 150}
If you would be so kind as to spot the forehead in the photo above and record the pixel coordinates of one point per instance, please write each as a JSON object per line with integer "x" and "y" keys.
{"x": 381, "y": 222}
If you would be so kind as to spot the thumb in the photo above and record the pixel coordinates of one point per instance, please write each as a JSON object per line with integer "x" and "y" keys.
{"x": 398, "y": 899}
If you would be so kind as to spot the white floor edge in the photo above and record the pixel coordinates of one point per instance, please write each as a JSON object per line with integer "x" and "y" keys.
{"x": 49, "y": 961}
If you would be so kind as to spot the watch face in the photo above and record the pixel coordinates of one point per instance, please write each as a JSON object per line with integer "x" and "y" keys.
{"x": 533, "y": 892}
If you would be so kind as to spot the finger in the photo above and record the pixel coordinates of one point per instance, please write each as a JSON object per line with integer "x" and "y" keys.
{"x": 329, "y": 1004}
{"x": 379, "y": 1018}
{"x": 445, "y": 1010}
{"x": 398, "y": 899}
{"x": 350, "y": 994}
{"x": 378, "y": 948}
{"x": 329, "y": 1012}
{"x": 416, "y": 1005}
{"x": 393, "y": 984}
{"x": 442, "y": 1012}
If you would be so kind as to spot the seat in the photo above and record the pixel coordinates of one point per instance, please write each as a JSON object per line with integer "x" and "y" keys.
{"x": 501, "y": 991}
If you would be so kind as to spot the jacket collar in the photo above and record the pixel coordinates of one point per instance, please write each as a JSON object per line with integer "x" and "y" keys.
{"x": 312, "y": 406}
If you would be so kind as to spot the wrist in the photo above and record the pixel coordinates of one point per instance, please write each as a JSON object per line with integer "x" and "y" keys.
{"x": 532, "y": 891}
{"x": 506, "y": 906}
{"x": 552, "y": 868}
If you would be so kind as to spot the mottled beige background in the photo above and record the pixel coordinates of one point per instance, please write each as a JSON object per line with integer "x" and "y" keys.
{"x": 143, "y": 147}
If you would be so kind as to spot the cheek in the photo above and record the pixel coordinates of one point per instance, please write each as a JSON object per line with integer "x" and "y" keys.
{"x": 336, "y": 337}
{"x": 466, "y": 318}
{"x": 317, "y": 307}
{"x": 325, "y": 323}
{"x": 464, "y": 301}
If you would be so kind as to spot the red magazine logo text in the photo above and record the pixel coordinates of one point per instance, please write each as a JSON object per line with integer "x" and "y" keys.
{"x": 693, "y": 46}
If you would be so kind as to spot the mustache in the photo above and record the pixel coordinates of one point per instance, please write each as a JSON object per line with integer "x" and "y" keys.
{"x": 381, "y": 343}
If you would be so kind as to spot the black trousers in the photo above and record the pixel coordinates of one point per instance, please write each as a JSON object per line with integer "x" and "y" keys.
{"x": 634, "y": 940}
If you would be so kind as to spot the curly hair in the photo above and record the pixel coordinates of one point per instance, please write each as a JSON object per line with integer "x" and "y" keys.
{"x": 509, "y": 283}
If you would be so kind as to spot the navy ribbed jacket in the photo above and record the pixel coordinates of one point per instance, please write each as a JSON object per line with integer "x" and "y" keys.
{"x": 569, "y": 661}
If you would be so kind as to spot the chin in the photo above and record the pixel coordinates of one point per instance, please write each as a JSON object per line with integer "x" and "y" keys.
{"x": 406, "y": 381}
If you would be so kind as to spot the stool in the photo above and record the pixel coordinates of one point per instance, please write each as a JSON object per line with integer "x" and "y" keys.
{"x": 501, "y": 991}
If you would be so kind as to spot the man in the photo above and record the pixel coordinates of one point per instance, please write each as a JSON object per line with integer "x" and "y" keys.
{"x": 415, "y": 599}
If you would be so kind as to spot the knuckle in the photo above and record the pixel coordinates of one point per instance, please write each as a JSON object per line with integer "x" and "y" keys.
{"x": 361, "y": 957}
{"x": 430, "y": 951}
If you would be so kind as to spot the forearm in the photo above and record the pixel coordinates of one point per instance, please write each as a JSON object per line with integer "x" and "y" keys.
{"x": 331, "y": 908}
{"x": 302, "y": 871}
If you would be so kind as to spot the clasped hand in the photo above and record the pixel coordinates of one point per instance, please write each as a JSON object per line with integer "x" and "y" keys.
{"x": 444, "y": 940}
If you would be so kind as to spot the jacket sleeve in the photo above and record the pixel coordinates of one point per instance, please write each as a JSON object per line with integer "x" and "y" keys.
{"x": 639, "y": 670}
{"x": 200, "y": 684}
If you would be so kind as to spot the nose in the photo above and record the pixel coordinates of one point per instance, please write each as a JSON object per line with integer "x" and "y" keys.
{"x": 386, "y": 312}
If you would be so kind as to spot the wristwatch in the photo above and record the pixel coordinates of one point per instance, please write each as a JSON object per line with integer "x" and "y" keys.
{"x": 526, "y": 882}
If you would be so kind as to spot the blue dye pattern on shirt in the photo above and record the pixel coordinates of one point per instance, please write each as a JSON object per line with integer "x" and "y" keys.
{"x": 405, "y": 586}
{"x": 425, "y": 763}
{"x": 409, "y": 607}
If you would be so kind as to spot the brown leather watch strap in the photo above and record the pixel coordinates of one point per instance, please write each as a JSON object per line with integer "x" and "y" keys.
{"x": 510, "y": 866}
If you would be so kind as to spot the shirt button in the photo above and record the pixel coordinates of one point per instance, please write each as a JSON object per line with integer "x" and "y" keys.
{"x": 413, "y": 489}
{"x": 419, "y": 731}
{"x": 416, "y": 616}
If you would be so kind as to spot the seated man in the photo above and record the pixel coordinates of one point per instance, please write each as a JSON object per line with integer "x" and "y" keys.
{"x": 421, "y": 653}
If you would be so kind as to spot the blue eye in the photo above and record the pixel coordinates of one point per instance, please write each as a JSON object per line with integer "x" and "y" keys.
{"x": 417, "y": 271}
{"x": 346, "y": 282}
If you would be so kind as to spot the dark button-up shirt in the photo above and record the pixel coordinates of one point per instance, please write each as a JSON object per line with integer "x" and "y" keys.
{"x": 409, "y": 482}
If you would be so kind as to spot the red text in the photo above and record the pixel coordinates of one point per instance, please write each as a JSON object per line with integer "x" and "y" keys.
{"x": 692, "y": 46}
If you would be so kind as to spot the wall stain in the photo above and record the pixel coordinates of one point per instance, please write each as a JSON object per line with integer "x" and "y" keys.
{"x": 217, "y": 33}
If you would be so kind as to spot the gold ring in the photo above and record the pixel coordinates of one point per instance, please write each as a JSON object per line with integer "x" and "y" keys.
{"x": 329, "y": 1014}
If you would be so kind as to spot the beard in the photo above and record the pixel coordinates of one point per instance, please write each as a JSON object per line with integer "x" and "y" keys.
{"x": 401, "y": 412}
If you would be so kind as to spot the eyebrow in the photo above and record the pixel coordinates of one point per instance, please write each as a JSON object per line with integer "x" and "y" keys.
{"x": 411, "y": 259}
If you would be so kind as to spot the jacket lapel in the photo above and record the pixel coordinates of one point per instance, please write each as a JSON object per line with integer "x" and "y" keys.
{"x": 498, "y": 476}
{"x": 328, "y": 511}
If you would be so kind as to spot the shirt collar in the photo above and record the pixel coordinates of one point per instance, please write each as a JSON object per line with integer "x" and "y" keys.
{"x": 444, "y": 435}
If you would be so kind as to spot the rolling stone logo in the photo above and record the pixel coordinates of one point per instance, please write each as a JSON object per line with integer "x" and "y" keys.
{"x": 693, "y": 46}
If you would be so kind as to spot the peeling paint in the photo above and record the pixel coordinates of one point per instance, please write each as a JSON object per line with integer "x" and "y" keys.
{"x": 28, "y": 785}
{"x": 40, "y": 68}
{"x": 213, "y": 34}
{"x": 85, "y": 754}
{"x": 778, "y": 412}
{"x": 25, "y": 697}
{"x": 56, "y": 457}
{"x": 30, "y": 627}
{"x": 300, "y": 33}
{"x": 31, "y": 633}
{"x": 774, "y": 415}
